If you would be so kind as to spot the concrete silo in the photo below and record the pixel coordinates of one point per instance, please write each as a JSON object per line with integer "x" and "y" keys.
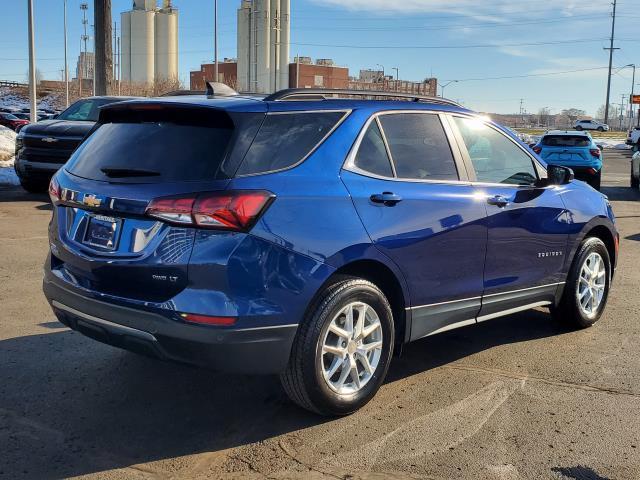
{"x": 149, "y": 42}
{"x": 166, "y": 42}
{"x": 263, "y": 45}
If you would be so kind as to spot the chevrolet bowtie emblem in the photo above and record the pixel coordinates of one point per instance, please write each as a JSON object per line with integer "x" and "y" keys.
{"x": 50, "y": 140}
{"x": 91, "y": 201}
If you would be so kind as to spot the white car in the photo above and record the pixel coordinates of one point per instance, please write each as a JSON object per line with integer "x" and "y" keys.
{"x": 635, "y": 171}
{"x": 591, "y": 125}
{"x": 634, "y": 137}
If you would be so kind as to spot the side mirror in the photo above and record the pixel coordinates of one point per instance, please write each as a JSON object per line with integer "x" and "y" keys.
{"x": 559, "y": 175}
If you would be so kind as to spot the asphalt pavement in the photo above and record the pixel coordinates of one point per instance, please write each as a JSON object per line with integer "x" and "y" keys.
{"x": 520, "y": 397}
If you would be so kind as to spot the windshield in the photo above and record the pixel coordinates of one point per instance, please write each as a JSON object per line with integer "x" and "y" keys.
{"x": 8, "y": 116}
{"x": 84, "y": 110}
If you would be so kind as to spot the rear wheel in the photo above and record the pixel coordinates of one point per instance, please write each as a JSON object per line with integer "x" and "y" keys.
{"x": 596, "y": 180}
{"x": 635, "y": 181}
{"x": 579, "y": 128}
{"x": 587, "y": 288}
{"x": 342, "y": 350}
{"x": 601, "y": 129}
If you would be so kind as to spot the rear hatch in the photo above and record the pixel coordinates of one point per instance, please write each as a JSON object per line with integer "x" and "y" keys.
{"x": 568, "y": 150}
{"x": 142, "y": 154}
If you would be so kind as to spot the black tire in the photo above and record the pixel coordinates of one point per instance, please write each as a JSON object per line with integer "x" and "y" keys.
{"x": 635, "y": 181}
{"x": 33, "y": 186}
{"x": 601, "y": 129}
{"x": 596, "y": 181}
{"x": 303, "y": 379}
{"x": 569, "y": 310}
{"x": 579, "y": 128}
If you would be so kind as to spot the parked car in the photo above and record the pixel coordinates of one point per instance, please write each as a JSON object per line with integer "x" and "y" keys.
{"x": 635, "y": 170}
{"x": 591, "y": 125}
{"x": 22, "y": 116}
{"x": 11, "y": 121}
{"x": 43, "y": 147}
{"x": 573, "y": 149}
{"x": 634, "y": 137}
{"x": 312, "y": 236}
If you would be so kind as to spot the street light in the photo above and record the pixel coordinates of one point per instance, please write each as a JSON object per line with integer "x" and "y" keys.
{"x": 382, "y": 66}
{"x": 215, "y": 40}
{"x": 66, "y": 68}
{"x": 442, "y": 87}
{"x": 633, "y": 83}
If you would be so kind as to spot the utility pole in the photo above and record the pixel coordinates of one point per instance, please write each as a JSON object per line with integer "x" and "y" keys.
{"x": 66, "y": 65}
{"x": 622, "y": 109}
{"x": 215, "y": 41}
{"x": 103, "y": 55}
{"x": 32, "y": 66}
{"x": 633, "y": 84}
{"x": 83, "y": 39}
{"x": 611, "y": 49}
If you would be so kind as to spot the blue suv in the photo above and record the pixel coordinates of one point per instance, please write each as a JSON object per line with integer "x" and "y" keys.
{"x": 312, "y": 233}
{"x": 576, "y": 150}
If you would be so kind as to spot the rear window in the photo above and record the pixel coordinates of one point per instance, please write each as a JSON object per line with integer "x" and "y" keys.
{"x": 566, "y": 141}
{"x": 286, "y": 139}
{"x": 153, "y": 151}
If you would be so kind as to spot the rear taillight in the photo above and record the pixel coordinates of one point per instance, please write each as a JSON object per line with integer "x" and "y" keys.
{"x": 234, "y": 210}
{"x": 595, "y": 152}
{"x": 591, "y": 171}
{"x": 537, "y": 149}
{"x": 54, "y": 191}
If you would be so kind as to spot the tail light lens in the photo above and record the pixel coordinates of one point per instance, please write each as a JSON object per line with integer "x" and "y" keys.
{"x": 54, "y": 191}
{"x": 537, "y": 149}
{"x": 595, "y": 152}
{"x": 234, "y": 210}
{"x": 207, "y": 320}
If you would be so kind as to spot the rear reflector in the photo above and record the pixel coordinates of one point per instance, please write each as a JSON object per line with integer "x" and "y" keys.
{"x": 54, "y": 190}
{"x": 236, "y": 210}
{"x": 206, "y": 320}
{"x": 591, "y": 171}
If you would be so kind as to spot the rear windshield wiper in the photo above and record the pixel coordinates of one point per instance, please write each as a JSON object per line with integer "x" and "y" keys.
{"x": 115, "y": 172}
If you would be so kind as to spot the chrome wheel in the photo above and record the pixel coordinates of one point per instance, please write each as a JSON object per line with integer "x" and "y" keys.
{"x": 351, "y": 348}
{"x": 591, "y": 284}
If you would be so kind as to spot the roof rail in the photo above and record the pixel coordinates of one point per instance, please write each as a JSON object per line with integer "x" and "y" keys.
{"x": 326, "y": 93}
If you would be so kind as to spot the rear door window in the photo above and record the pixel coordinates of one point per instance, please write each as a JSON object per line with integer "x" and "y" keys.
{"x": 419, "y": 146}
{"x": 285, "y": 139}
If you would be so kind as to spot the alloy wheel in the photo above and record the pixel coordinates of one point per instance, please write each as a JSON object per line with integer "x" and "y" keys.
{"x": 591, "y": 284}
{"x": 351, "y": 348}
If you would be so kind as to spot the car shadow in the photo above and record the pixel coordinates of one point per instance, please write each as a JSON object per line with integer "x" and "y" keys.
{"x": 70, "y": 406}
{"x": 12, "y": 193}
{"x": 621, "y": 193}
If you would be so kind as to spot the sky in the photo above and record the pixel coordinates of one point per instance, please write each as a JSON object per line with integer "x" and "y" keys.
{"x": 496, "y": 53}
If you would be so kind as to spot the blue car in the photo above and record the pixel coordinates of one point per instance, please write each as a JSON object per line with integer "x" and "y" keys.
{"x": 576, "y": 150}
{"x": 313, "y": 233}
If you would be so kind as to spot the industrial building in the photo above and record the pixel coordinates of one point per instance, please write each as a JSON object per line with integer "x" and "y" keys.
{"x": 263, "y": 45}
{"x": 301, "y": 74}
{"x": 149, "y": 42}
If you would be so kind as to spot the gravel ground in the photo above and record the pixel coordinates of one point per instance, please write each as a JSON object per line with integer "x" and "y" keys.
{"x": 515, "y": 398}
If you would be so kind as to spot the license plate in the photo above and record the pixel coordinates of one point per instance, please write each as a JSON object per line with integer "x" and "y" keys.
{"x": 565, "y": 156}
{"x": 102, "y": 232}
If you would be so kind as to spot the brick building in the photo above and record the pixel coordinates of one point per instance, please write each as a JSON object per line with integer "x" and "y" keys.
{"x": 303, "y": 75}
{"x": 227, "y": 72}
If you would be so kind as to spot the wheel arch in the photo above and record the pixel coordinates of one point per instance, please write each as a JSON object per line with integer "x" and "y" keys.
{"x": 608, "y": 238}
{"x": 386, "y": 279}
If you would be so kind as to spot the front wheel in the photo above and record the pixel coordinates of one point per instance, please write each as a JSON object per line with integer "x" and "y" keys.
{"x": 587, "y": 289}
{"x": 601, "y": 129}
{"x": 579, "y": 128}
{"x": 342, "y": 350}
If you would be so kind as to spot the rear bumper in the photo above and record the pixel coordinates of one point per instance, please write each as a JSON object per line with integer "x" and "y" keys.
{"x": 263, "y": 350}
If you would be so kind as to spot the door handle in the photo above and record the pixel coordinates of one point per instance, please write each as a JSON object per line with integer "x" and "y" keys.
{"x": 388, "y": 199}
{"x": 498, "y": 200}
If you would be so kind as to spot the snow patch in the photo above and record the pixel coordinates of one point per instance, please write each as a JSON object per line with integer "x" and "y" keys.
{"x": 614, "y": 143}
{"x": 7, "y": 144}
